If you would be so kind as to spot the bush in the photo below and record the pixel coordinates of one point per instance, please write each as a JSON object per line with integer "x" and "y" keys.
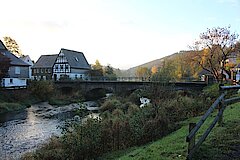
{"x": 110, "y": 105}
{"x": 136, "y": 95}
{"x": 42, "y": 89}
{"x": 52, "y": 150}
{"x": 84, "y": 141}
{"x": 212, "y": 91}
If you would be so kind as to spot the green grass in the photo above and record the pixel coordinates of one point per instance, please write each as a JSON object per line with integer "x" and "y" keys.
{"x": 218, "y": 145}
{"x": 9, "y": 107}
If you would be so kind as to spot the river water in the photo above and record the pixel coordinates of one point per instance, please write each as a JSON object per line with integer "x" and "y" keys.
{"x": 25, "y": 131}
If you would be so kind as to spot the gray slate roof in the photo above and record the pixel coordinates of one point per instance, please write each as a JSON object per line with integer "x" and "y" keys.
{"x": 76, "y": 59}
{"x": 45, "y": 61}
{"x": 2, "y": 46}
{"x": 15, "y": 61}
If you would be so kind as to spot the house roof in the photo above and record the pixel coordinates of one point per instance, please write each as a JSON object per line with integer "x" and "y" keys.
{"x": 2, "y": 46}
{"x": 75, "y": 59}
{"x": 45, "y": 61}
{"x": 204, "y": 72}
{"x": 15, "y": 61}
{"x": 27, "y": 59}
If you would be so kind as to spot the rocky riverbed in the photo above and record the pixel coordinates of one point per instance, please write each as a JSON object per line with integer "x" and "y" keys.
{"x": 24, "y": 131}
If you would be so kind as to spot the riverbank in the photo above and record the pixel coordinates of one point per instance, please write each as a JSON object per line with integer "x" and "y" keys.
{"x": 15, "y": 100}
{"x": 222, "y": 143}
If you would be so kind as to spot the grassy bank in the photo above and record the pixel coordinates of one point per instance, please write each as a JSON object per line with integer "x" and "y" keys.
{"x": 13, "y": 100}
{"x": 221, "y": 143}
{"x": 9, "y": 107}
{"x": 37, "y": 91}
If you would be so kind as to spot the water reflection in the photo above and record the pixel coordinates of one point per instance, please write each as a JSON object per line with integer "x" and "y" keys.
{"x": 24, "y": 131}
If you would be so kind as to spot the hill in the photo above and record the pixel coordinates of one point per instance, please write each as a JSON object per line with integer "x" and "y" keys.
{"x": 158, "y": 62}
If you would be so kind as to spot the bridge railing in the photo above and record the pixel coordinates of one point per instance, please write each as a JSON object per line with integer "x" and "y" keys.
{"x": 220, "y": 103}
{"x": 137, "y": 79}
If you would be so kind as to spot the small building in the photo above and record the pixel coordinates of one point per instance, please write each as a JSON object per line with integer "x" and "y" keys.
{"x": 43, "y": 68}
{"x": 18, "y": 72}
{"x": 67, "y": 64}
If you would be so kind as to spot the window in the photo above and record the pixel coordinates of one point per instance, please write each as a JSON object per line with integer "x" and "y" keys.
{"x": 37, "y": 70}
{"x": 67, "y": 68}
{"x": 49, "y": 70}
{"x": 46, "y": 70}
{"x": 76, "y": 59}
{"x": 42, "y": 70}
{"x": 11, "y": 80}
{"x": 17, "y": 70}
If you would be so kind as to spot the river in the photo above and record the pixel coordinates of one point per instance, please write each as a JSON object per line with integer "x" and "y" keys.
{"x": 26, "y": 130}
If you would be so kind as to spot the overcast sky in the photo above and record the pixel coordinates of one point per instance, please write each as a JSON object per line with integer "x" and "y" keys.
{"x": 122, "y": 33}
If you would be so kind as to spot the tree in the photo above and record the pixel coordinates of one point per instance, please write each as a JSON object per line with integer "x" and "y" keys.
{"x": 215, "y": 46}
{"x": 5, "y": 64}
{"x": 97, "y": 65}
{"x": 98, "y": 68}
{"x": 12, "y": 46}
{"x": 166, "y": 72}
{"x": 143, "y": 72}
{"x": 154, "y": 70}
{"x": 109, "y": 72}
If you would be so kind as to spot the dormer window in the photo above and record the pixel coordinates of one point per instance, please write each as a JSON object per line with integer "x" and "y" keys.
{"x": 76, "y": 59}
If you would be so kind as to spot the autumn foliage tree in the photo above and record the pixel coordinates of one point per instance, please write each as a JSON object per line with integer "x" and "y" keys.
{"x": 12, "y": 46}
{"x": 143, "y": 72}
{"x": 213, "y": 48}
{"x": 97, "y": 69}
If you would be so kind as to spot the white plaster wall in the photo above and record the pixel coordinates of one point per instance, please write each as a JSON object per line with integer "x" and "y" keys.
{"x": 72, "y": 76}
{"x": 16, "y": 82}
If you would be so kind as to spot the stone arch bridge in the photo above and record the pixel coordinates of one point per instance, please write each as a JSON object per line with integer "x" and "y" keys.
{"x": 122, "y": 86}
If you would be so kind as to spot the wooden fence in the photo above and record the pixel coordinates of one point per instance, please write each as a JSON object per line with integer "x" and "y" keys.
{"x": 220, "y": 103}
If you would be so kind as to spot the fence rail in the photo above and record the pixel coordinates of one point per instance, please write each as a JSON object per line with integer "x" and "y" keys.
{"x": 221, "y": 103}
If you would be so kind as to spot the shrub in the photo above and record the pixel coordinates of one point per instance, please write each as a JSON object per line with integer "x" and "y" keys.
{"x": 212, "y": 91}
{"x": 51, "y": 150}
{"x": 42, "y": 89}
{"x": 84, "y": 141}
{"x": 110, "y": 105}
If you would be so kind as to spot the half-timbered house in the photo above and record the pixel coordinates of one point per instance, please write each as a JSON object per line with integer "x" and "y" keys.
{"x": 70, "y": 64}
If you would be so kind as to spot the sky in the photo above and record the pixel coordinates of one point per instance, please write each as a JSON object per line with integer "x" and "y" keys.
{"x": 120, "y": 33}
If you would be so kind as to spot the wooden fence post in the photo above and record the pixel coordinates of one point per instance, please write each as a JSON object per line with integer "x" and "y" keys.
{"x": 221, "y": 107}
{"x": 191, "y": 143}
